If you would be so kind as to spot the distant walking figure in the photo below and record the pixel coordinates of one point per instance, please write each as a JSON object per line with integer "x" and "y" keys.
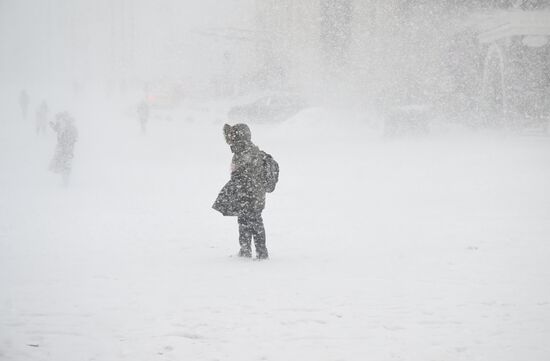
{"x": 42, "y": 118}
{"x": 143, "y": 114}
{"x": 253, "y": 173}
{"x": 24, "y": 101}
{"x": 67, "y": 135}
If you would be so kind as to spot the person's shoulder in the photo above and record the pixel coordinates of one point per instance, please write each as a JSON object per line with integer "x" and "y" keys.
{"x": 255, "y": 150}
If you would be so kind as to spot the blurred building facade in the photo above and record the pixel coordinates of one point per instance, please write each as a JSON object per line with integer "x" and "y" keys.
{"x": 394, "y": 51}
{"x": 357, "y": 47}
{"x": 514, "y": 48}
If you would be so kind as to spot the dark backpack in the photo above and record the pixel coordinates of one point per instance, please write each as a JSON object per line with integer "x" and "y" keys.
{"x": 270, "y": 171}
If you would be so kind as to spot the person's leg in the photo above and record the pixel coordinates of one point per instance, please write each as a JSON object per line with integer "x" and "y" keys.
{"x": 259, "y": 236}
{"x": 245, "y": 236}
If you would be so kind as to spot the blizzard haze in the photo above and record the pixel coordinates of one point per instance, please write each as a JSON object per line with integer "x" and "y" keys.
{"x": 105, "y": 43}
{"x": 411, "y": 220}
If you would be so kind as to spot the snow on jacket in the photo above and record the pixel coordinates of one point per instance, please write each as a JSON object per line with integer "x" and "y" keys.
{"x": 245, "y": 191}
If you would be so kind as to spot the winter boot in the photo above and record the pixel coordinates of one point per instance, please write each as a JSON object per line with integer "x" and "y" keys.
{"x": 245, "y": 252}
{"x": 261, "y": 254}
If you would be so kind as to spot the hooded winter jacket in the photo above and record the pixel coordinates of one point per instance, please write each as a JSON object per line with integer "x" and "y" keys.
{"x": 245, "y": 192}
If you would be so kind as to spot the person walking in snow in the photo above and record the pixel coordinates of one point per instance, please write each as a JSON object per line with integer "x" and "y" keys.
{"x": 143, "y": 114}
{"x": 67, "y": 135}
{"x": 24, "y": 101}
{"x": 253, "y": 173}
{"x": 42, "y": 118}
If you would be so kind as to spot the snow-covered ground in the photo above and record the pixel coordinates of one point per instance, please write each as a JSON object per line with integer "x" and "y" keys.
{"x": 407, "y": 249}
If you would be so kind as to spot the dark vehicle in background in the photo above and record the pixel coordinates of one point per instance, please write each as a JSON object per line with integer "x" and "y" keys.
{"x": 270, "y": 108}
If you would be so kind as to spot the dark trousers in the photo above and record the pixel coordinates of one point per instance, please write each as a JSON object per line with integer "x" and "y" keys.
{"x": 252, "y": 226}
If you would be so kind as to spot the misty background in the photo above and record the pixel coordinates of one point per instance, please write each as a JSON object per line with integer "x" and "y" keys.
{"x": 412, "y": 215}
{"x": 371, "y": 53}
